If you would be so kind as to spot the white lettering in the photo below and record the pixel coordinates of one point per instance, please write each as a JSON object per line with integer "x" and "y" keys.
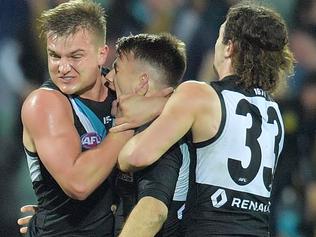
{"x": 245, "y": 204}
{"x": 86, "y": 141}
{"x": 253, "y": 205}
{"x": 93, "y": 140}
{"x": 250, "y": 205}
{"x": 267, "y": 208}
{"x": 236, "y": 202}
{"x": 259, "y": 91}
{"x": 260, "y": 207}
{"x": 107, "y": 119}
{"x": 242, "y": 180}
{"x": 90, "y": 140}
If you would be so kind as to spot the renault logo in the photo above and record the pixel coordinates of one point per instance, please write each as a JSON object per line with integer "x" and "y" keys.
{"x": 219, "y": 198}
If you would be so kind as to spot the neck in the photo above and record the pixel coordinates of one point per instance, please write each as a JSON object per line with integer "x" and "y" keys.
{"x": 225, "y": 71}
{"x": 225, "y": 75}
{"x": 97, "y": 92}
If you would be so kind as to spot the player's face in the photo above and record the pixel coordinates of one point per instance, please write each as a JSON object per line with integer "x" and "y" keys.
{"x": 219, "y": 49}
{"x": 74, "y": 61}
{"x": 126, "y": 74}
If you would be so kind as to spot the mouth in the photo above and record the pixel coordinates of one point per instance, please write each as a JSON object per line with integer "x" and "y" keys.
{"x": 66, "y": 79}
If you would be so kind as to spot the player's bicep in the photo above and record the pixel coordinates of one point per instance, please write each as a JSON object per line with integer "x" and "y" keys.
{"x": 58, "y": 151}
{"x": 49, "y": 123}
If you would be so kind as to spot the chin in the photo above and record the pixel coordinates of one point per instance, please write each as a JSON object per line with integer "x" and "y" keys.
{"x": 67, "y": 90}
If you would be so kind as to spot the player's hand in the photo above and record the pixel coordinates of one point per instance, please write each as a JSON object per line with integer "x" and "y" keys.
{"x": 23, "y": 221}
{"x": 135, "y": 110}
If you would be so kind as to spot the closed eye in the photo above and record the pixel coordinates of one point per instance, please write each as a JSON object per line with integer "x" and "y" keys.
{"x": 76, "y": 56}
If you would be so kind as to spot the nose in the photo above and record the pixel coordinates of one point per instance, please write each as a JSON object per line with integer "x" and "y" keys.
{"x": 64, "y": 66}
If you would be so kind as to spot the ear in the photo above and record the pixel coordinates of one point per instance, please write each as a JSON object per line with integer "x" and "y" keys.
{"x": 229, "y": 49}
{"x": 103, "y": 54}
{"x": 143, "y": 85}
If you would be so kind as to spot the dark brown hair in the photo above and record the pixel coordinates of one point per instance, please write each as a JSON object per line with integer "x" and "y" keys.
{"x": 261, "y": 51}
{"x": 69, "y": 17}
{"x": 163, "y": 51}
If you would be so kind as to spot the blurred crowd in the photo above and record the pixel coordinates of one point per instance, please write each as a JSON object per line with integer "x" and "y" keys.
{"x": 196, "y": 22}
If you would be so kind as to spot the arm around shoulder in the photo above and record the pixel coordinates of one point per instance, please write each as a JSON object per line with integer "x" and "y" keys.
{"x": 49, "y": 130}
{"x": 173, "y": 123}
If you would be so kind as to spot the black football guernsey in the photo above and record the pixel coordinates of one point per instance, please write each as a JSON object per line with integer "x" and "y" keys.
{"x": 231, "y": 175}
{"x": 58, "y": 214}
{"x": 167, "y": 180}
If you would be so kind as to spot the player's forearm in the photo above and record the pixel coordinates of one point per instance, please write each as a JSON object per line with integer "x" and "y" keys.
{"x": 144, "y": 149}
{"x": 93, "y": 166}
{"x": 146, "y": 219}
{"x": 155, "y": 105}
{"x": 134, "y": 115}
{"x": 126, "y": 161}
{"x": 133, "y": 157}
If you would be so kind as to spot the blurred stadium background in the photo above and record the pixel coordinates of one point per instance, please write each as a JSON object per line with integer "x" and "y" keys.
{"x": 196, "y": 22}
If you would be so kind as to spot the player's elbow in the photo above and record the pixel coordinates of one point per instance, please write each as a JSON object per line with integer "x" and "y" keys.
{"x": 134, "y": 161}
{"x": 77, "y": 191}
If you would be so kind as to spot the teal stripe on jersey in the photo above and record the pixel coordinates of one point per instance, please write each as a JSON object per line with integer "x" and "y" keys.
{"x": 95, "y": 121}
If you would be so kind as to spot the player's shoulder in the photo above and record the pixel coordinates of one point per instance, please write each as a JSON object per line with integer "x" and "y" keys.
{"x": 192, "y": 84}
{"x": 44, "y": 99}
{"x": 196, "y": 89}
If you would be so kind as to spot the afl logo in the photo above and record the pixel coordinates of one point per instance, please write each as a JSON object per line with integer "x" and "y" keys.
{"x": 90, "y": 140}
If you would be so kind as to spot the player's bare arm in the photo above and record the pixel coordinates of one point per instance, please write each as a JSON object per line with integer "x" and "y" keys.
{"x": 49, "y": 130}
{"x": 188, "y": 106}
{"x": 146, "y": 219}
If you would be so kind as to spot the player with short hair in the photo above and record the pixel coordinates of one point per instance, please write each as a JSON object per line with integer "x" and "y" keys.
{"x": 159, "y": 61}
{"x": 64, "y": 123}
{"x": 237, "y": 127}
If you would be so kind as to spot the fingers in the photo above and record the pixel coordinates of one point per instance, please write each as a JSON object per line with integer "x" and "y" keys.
{"x": 120, "y": 120}
{"x": 122, "y": 98}
{"x": 122, "y": 127}
{"x": 114, "y": 108}
{"x": 24, "y": 220}
{"x": 29, "y": 208}
{"x": 23, "y": 230}
{"x": 164, "y": 92}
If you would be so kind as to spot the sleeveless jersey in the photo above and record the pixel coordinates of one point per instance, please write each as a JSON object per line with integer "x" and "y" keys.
{"x": 167, "y": 180}
{"x": 173, "y": 226}
{"x": 58, "y": 214}
{"x": 232, "y": 176}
